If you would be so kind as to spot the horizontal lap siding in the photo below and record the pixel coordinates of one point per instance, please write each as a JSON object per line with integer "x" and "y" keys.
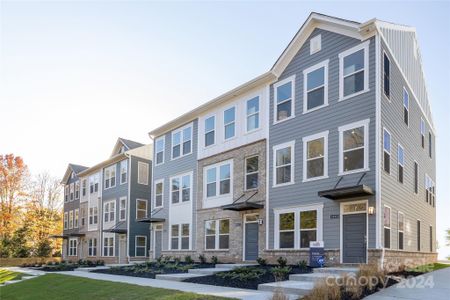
{"x": 401, "y": 197}
{"x": 328, "y": 118}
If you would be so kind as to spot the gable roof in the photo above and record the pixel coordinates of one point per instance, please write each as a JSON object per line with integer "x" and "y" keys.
{"x": 72, "y": 168}
{"x": 349, "y": 28}
{"x": 129, "y": 145}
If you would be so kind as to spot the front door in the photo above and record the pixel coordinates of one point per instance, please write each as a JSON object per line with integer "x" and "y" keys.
{"x": 354, "y": 238}
{"x": 122, "y": 249}
{"x": 251, "y": 237}
{"x": 158, "y": 243}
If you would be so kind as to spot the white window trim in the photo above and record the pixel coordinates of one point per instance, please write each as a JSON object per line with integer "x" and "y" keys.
{"x": 320, "y": 65}
{"x": 113, "y": 245}
{"x": 126, "y": 172}
{"x": 110, "y": 168}
{"x": 307, "y": 139}
{"x": 403, "y": 104}
{"x": 275, "y": 104}
{"x": 398, "y": 230}
{"x": 72, "y": 192}
{"x": 341, "y": 130}
{"x": 163, "y": 139}
{"x": 247, "y": 115}
{"x": 66, "y": 221}
{"x": 180, "y": 237}
{"x": 73, "y": 253}
{"x": 422, "y": 127}
{"x": 342, "y": 55}
{"x": 181, "y": 131}
{"x": 136, "y": 246}
{"x": 91, "y": 248}
{"x": 296, "y": 210}
{"x": 162, "y": 193}
{"x": 109, "y": 211}
{"x": 70, "y": 219}
{"x": 399, "y": 146}
{"x": 120, "y": 208}
{"x": 388, "y": 152}
{"x": 77, "y": 189}
{"x": 250, "y": 173}
{"x": 213, "y": 130}
{"x": 205, "y": 182}
{"x": 76, "y": 218}
{"x": 180, "y": 191}
{"x": 274, "y": 163}
{"x": 234, "y": 122}
{"x": 390, "y": 227}
{"x": 139, "y": 181}
{"x": 217, "y": 235}
{"x": 146, "y": 208}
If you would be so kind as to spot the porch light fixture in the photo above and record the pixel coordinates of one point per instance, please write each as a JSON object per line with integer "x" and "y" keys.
{"x": 371, "y": 210}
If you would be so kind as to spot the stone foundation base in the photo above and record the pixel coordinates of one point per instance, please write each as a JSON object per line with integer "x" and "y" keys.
{"x": 295, "y": 256}
{"x": 394, "y": 260}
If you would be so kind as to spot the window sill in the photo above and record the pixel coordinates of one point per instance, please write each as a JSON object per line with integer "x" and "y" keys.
{"x": 283, "y": 184}
{"x": 252, "y": 131}
{"x": 216, "y": 250}
{"x": 284, "y": 120}
{"x": 181, "y": 156}
{"x": 353, "y": 95}
{"x": 315, "y": 178}
{"x": 314, "y": 109}
{"x": 353, "y": 172}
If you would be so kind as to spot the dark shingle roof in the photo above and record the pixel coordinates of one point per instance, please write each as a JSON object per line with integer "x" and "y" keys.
{"x": 77, "y": 168}
{"x": 131, "y": 144}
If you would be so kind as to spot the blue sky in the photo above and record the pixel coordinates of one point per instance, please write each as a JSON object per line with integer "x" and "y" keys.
{"x": 76, "y": 75}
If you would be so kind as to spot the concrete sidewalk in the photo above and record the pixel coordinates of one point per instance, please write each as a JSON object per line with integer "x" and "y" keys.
{"x": 204, "y": 289}
{"x": 434, "y": 285}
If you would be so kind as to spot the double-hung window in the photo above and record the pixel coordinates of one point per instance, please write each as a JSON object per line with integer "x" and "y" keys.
{"x": 287, "y": 230}
{"x": 71, "y": 191}
{"x": 77, "y": 190}
{"x": 283, "y": 160}
{"x": 159, "y": 190}
{"x": 251, "y": 172}
{"x": 66, "y": 220}
{"x": 210, "y": 131}
{"x": 159, "y": 150}
{"x": 141, "y": 245}
{"x": 142, "y": 173}
{"x": 354, "y": 147}
{"x": 72, "y": 247}
{"x": 123, "y": 209}
{"x": 108, "y": 246}
{"x": 229, "y": 123}
{"x": 141, "y": 209}
{"x": 401, "y": 163}
{"x": 180, "y": 189}
{"x": 315, "y": 90}
{"x": 429, "y": 190}
{"x": 354, "y": 71}
{"x": 123, "y": 171}
{"x": 109, "y": 211}
{"x": 218, "y": 179}
{"x": 315, "y": 156}
{"x": 92, "y": 247}
{"x": 66, "y": 193}
{"x": 71, "y": 219}
{"x": 422, "y": 132}
{"x": 430, "y": 144}
{"x": 76, "y": 217}
{"x": 83, "y": 187}
{"x": 405, "y": 106}
{"x": 284, "y": 99}
{"x": 386, "y": 76}
{"x": 401, "y": 229}
{"x": 93, "y": 215}
{"x": 182, "y": 142}
{"x": 387, "y": 151}
{"x": 93, "y": 184}
{"x": 387, "y": 227}
{"x": 180, "y": 237}
{"x": 217, "y": 234}
{"x": 110, "y": 177}
{"x": 252, "y": 114}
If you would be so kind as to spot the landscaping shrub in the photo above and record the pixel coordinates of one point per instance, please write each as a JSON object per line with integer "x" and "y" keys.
{"x": 242, "y": 274}
{"x": 176, "y": 260}
{"x": 214, "y": 259}
{"x": 202, "y": 259}
{"x": 282, "y": 261}
{"x": 185, "y": 268}
{"x": 261, "y": 261}
{"x": 188, "y": 259}
{"x": 370, "y": 272}
{"x": 303, "y": 265}
{"x": 167, "y": 258}
{"x": 280, "y": 273}
{"x": 322, "y": 291}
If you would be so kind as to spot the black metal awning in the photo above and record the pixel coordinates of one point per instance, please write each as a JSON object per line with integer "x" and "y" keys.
{"x": 347, "y": 192}
{"x": 116, "y": 230}
{"x": 77, "y": 234}
{"x": 242, "y": 206}
{"x": 56, "y": 236}
{"x": 151, "y": 220}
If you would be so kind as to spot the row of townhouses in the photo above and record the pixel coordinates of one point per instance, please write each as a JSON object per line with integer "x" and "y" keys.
{"x": 335, "y": 144}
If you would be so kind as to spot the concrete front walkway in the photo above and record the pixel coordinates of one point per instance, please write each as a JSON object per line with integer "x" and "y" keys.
{"x": 434, "y": 285}
{"x": 181, "y": 286}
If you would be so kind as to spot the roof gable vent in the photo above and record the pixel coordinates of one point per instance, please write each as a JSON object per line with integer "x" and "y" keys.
{"x": 315, "y": 44}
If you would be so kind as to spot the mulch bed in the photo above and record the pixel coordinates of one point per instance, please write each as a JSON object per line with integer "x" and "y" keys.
{"x": 250, "y": 284}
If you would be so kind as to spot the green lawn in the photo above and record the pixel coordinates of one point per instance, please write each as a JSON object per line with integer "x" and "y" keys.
{"x": 430, "y": 267}
{"x": 56, "y": 286}
{"x": 6, "y": 275}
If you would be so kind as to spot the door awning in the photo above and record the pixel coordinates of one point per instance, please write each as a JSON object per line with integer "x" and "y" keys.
{"x": 116, "y": 230}
{"x": 61, "y": 236}
{"x": 151, "y": 220}
{"x": 347, "y": 192}
{"x": 240, "y": 206}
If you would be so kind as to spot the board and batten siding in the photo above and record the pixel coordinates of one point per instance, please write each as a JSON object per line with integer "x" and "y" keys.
{"x": 169, "y": 169}
{"x": 398, "y": 196}
{"x": 329, "y": 118}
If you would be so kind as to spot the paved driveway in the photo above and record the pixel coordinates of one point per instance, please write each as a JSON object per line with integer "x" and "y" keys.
{"x": 433, "y": 286}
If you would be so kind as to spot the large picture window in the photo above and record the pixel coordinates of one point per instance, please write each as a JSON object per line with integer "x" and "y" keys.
{"x": 354, "y": 150}
{"x": 354, "y": 71}
{"x": 284, "y": 99}
{"x": 315, "y": 91}
{"x": 315, "y": 156}
{"x": 217, "y": 234}
{"x": 283, "y": 163}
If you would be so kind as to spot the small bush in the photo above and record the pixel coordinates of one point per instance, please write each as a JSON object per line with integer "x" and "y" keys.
{"x": 261, "y": 261}
{"x": 185, "y": 268}
{"x": 303, "y": 265}
{"x": 214, "y": 259}
{"x": 176, "y": 260}
{"x": 280, "y": 273}
{"x": 282, "y": 261}
{"x": 100, "y": 262}
{"x": 279, "y": 295}
{"x": 188, "y": 259}
{"x": 322, "y": 291}
{"x": 167, "y": 258}
{"x": 243, "y": 274}
{"x": 370, "y": 272}
{"x": 159, "y": 259}
{"x": 202, "y": 259}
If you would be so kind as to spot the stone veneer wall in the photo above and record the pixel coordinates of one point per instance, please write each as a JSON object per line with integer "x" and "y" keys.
{"x": 295, "y": 256}
{"x": 397, "y": 259}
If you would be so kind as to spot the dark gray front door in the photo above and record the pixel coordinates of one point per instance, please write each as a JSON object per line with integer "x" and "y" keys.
{"x": 354, "y": 238}
{"x": 158, "y": 243}
{"x": 251, "y": 241}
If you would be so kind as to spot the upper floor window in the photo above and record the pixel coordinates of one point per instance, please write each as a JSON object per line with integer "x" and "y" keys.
{"x": 217, "y": 234}
{"x": 284, "y": 99}
{"x": 83, "y": 187}
{"x": 109, "y": 211}
{"x": 386, "y": 76}
{"x": 315, "y": 88}
{"x": 218, "y": 179}
{"x": 141, "y": 209}
{"x": 283, "y": 163}
{"x": 229, "y": 123}
{"x": 387, "y": 151}
{"x": 210, "y": 131}
{"x": 182, "y": 142}
{"x": 430, "y": 145}
{"x": 251, "y": 172}
{"x": 387, "y": 227}
{"x": 71, "y": 191}
{"x": 354, "y": 71}
{"x": 66, "y": 220}
{"x": 93, "y": 215}
{"x": 122, "y": 209}
{"x": 77, "y": 190}
{"x": 110, "y": 177}
{"x": 159, "y": 149}
{"x": 76, "y": 216}
{"x": 401, "y": 163}
{"x": 93, "y": 183}
{"x": 123, "y": 171}
{"x": 430, "y": 190}
{"x": 142, "y": 173}
{"x": 422, "y": 132}
{"x": 180, "y": 189}
{"x": 315, "y": 156}
{"x": 354, "y": 148}
{"x": 252, "y": 114}
{"x": 71, "y": 219}
{"x": 159, "y": 190}
{"x": 66, "y": 193}
{"x": 405, "y": 106}
{"x": 416, "y": 178}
